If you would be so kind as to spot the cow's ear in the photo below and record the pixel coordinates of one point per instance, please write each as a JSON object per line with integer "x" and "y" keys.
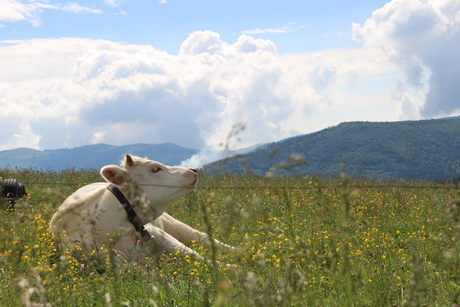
{"x": 129, "y": 161}
{"x": 114, "y": 174}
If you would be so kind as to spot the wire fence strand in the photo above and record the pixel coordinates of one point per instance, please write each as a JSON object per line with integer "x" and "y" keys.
{"x": 268, "y": 187}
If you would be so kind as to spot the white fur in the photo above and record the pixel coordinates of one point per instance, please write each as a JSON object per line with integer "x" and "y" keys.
{"x": 92, "y": 217}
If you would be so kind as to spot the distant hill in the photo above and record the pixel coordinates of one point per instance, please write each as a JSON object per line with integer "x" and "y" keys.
{"x": 91, "y": 156}
{"x": 426, "y": 149}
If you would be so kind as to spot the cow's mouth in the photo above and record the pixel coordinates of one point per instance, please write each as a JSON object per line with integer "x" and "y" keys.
{"x": 194, "y": 183}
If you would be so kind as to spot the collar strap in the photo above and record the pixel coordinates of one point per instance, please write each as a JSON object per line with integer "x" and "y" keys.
{"x": 132, "y": 215}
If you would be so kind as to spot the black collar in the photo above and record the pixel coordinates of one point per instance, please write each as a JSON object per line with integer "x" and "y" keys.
{"x": 132, "y": 216}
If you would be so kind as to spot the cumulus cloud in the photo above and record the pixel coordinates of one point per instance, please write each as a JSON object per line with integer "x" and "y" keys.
{"x": 57, "y": 93}
{"x": 202, "y": 42}
{"x": 423, "y": 39}
{"x": 16, "y": 10}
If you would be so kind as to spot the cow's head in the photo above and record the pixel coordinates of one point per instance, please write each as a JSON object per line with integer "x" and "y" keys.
{"x": 161, "y": 184}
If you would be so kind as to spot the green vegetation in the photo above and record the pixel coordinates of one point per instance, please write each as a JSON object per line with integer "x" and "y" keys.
{"x": 426, "y": 149}
{"x": 302, "y": 242}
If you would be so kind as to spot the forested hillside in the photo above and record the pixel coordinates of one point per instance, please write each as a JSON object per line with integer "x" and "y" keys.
{"x": 427, "y": 149}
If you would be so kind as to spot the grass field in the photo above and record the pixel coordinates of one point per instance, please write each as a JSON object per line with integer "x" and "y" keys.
{"x": 302, "y": 242}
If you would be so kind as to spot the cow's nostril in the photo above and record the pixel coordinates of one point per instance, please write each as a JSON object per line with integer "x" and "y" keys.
{"x": 194, "y": 170}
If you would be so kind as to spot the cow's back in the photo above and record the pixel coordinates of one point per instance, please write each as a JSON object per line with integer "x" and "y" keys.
{"x": 90, "y": 218}
{"x": 78, "y": 209}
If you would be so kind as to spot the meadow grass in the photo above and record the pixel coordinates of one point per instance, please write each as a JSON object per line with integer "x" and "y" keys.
{"x": 301, "y": 242}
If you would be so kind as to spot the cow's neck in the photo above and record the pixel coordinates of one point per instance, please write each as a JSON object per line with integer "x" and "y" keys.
{"x": 144, "y": 209}
{"x": 133, "y": 218}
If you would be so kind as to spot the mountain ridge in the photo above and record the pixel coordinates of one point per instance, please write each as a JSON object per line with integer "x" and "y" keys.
{"x": 91, "y": 156}
{"x": 424, "y": 149}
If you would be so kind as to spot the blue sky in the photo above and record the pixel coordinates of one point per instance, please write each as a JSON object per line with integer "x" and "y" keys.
{"x": 188, "y": 72}
{"x": 294, "y": 26}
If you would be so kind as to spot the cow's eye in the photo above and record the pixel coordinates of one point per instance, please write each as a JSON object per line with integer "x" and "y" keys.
{"x": 156, "y": 169}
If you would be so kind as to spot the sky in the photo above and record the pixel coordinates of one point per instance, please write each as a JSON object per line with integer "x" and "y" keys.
{"x": 215, "y": 74}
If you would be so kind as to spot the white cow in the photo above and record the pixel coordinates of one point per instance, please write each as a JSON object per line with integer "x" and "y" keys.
{"x": 93, "y": 218}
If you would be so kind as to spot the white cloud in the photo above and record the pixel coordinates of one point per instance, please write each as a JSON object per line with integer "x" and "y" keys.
{"x": 70, "y": 92}
{"x": 202, "y": 42}
{"x": 248, "y": 44}
{"x": 113, "y": 2}
{"x": 21, "y": 136}
{"x": 16, "y": 10}
{"x": 290, "y": 27}
{"x": 263, "y": 31}
{"x": 423, "y": 39}
{"x": 13, "y": 10}
{"x": 74, "y": 8}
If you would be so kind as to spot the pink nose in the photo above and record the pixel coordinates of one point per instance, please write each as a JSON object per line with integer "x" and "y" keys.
{"x": 194, "y": 170}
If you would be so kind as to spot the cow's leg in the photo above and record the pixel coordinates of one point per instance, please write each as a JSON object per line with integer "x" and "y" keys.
{"x": 126, "y": 248}
{"x": 189, "y": 235}
{"x": 162, "y": 241}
